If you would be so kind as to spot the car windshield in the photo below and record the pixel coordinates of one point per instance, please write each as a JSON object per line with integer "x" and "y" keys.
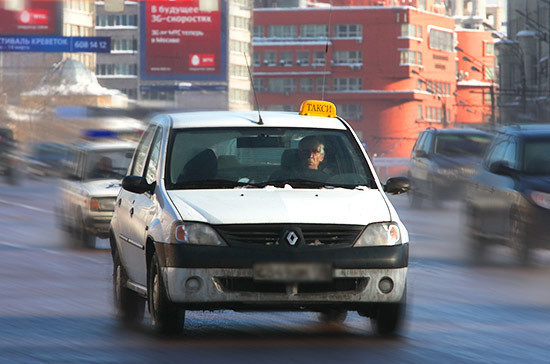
{"x": 462, "y": 145}
{"x": 252, "y": 158}
{"x": 536, "y": 157}
{"x": 107, "y": 164}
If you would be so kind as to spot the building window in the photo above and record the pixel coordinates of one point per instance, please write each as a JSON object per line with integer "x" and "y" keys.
{"x": 348, "y": 31}
{"x": 123, "y": 20}
{"x": 319, "y": 58}
{"x": 322, "y": 84}
{"x": 408, "y": 30}
{"x": 306, "y": 85}
{"x": 238, "y": 71}
{"x": 239, "y": 46}
{"x": 130, "y": 92}
{"x": 239, "y": 22}
{"x": 302, "y": 58}
{"x": 314, "y": 31}
{"x": 285, "y": 58}
{"x": 419, "y": 31}
{"x": 124, "y": 45}
{"x": 259, "y": 85}
{"x": 490, "y": 73}
{"x": 407, "y": 57}
{"x": 487, "y": 97}
{"x": 419, "y": 58}
{"x": 270, "y": 58}
{"x": 350, "y": 111}
{"x": 489, "y": 49}
{"x": 282, "y": 85}
{"x": 119, "y": 69}
{"x": 348, "y": 57}
{"x": 440, "y": 40}
{"x": 239, "y": 95}
{"x": 257, "y": 59}
{"x": 347, "y": 84}
{"x": 259, "y": 31}
{"x": 281, "y": 31}
{"x": 158, "y": 95}
{"x": 419, "y": 115}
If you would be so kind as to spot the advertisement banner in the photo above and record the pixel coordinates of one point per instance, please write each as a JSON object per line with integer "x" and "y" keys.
{"x": 39, "y": 17}
{"x": 30, "y": 43}
{"x": 180, "y": 41}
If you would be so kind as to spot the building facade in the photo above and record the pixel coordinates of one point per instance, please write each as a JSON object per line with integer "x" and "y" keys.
{"x": 391, "y": 70}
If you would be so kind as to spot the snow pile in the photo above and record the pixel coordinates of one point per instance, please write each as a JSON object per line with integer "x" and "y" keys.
{"x": 70, "y": 77}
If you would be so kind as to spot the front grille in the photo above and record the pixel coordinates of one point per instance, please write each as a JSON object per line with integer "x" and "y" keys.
{"x": 350, "y": 285}
{"x": 273, "y": 234}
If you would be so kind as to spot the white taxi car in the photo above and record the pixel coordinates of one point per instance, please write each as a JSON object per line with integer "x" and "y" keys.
{"x": 88, "y": 191}
{"x": 232, "y": 210}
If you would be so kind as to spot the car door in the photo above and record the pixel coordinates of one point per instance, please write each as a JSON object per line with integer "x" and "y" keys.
{"x": 421, "y": 160}
{"x": 488, "y": 195}
{"x": 131, "y": 248}
{"x": 144, "y": 207}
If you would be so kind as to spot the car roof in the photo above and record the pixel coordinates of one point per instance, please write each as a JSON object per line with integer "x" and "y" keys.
{"x": 217, "y": 119}
{"x": 461, "y": 131}
{"x": 91, "y": 145}
{"x": 527, "y": 130}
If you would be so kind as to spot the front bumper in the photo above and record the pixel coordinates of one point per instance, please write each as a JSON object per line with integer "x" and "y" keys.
{"x": 226, "y": 278}
{"x": 98, "y": 224}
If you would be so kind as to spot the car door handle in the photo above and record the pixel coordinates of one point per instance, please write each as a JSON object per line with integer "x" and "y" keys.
{"x": 119, "y": 202}
{"x": 131, "y": 212}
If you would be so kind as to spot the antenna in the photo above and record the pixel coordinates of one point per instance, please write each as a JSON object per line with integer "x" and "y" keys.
{"x": 260, "y": 121}
{"x": 326, "y": 50}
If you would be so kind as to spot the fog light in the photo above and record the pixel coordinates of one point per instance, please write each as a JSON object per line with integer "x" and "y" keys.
{"x": 385, "y": 285}
{"x": 193, "y": 284}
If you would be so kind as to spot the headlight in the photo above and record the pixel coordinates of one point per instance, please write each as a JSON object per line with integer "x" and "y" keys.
{"x": 102, "y": 204}
{"x": 196, "y": 233}
{"x": 381, "y": 233}
{"x": 541, "y": 199}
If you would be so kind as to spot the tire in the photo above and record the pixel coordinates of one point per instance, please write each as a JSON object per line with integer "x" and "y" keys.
{"x": 518, "y": 241}
{"x": 166, "y": 318}
{"x": 129, "y": 306}
{"x": 333, "y": 316}
{"x": 388, "y": 318}
{"x": 415, "y": 199}
{"x": 475, "y": 243}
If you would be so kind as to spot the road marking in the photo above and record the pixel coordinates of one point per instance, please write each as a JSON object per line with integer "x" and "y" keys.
{"x": 25, "y": 206}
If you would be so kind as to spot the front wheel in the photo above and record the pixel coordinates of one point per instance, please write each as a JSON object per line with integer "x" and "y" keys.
{"x": 388, "y": 318}
{"x": 166, "y": 318}
{"x": 129, "y": 305}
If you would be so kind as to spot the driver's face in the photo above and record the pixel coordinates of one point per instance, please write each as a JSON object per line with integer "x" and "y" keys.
{"x": 311, "y": 156}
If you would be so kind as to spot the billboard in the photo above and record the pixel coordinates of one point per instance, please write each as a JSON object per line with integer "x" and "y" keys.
{"x": 179, "y": 41}
{"x": 39, "y": 17}
{"x": 40, "y": 43}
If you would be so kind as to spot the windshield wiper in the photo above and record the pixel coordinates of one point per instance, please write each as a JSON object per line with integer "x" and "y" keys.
{"x": 300, "y": 183}
{"x": 216, "y": 183}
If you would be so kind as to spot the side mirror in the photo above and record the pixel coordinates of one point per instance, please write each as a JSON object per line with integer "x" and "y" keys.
{"x": 397, "y": 185}
{"x": 502, "y": 168}
{"x": 421, "y": 154}
{"x": 137, "y": 184}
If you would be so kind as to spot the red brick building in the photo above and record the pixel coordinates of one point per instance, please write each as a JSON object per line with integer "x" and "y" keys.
{"x": 391, "y": 70}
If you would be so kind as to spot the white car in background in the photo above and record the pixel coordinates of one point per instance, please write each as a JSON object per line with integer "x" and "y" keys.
{"x": 87, "y": 193}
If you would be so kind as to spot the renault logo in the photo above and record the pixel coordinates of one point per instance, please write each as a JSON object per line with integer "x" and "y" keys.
{"x": 292, "y": 238}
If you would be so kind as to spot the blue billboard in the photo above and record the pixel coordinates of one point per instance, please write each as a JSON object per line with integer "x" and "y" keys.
{"x": 37, "y": 43}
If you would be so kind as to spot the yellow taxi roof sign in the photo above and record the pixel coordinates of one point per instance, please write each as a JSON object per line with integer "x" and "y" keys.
{"x": 318, "y": 108}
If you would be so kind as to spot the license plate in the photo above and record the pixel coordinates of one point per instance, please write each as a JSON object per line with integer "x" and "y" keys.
{"x": 293, "y": 272}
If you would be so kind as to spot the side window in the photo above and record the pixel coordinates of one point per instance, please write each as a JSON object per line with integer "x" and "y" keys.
{"x": 510, "y": 155}
{"x": 141, "y": 152}
{"x": 497, "y": 152}
{"x": 419, "y": 141}
{"x": 152, "y": 165}
{"x": 427, "y": 142}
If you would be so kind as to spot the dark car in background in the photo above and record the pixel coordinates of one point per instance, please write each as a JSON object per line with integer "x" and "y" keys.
{"x": 8, "y": 160}
{"x": 509, "y": 197}
{"x": 46, "y": 159}
{"x": 442, "y": 162}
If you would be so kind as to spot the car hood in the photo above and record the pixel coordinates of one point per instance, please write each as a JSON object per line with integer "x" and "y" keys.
{"x": 103, "y": 187}
{"x": 277, "y": 205}
{"x": 537, "y": 183}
